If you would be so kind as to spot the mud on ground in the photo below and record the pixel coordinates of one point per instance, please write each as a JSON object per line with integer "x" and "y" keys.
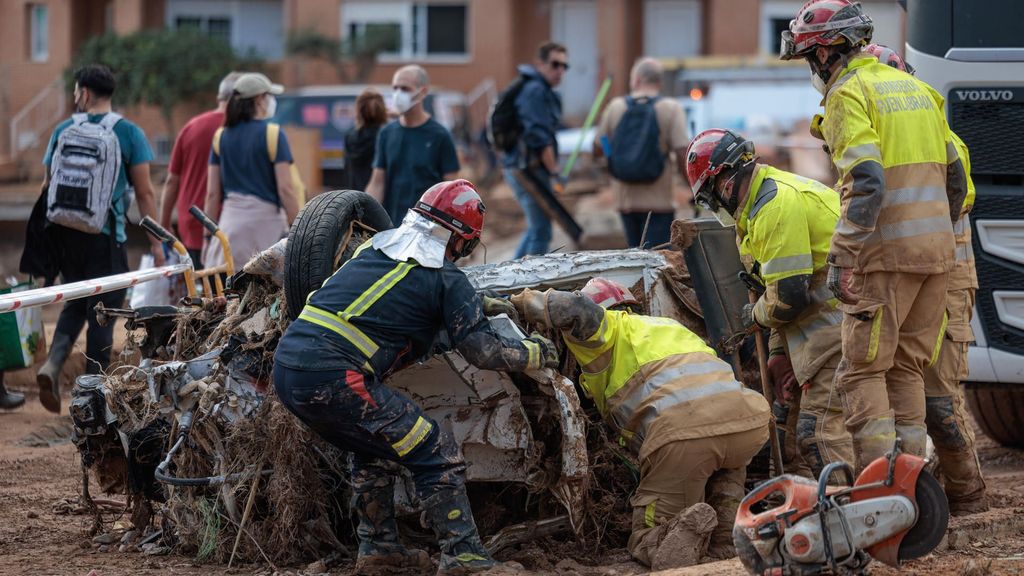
{"x": 40, "y": 534}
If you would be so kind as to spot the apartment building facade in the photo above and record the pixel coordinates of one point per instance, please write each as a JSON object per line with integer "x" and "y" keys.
{"x": 471, "y": 46}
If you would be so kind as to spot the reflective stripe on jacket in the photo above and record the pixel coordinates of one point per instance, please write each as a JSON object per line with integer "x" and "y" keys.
{"x": 786, "y": 225}
{"x": 964, "y": 276}
{"x": 890, "y": 144}
{"x": 657, "y": 382}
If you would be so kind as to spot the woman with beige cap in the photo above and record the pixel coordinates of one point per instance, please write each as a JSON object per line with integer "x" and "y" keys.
{"x": 249, "y": 187}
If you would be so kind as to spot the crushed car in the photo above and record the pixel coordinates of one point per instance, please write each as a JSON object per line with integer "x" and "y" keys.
{"x": 193, "y": 430}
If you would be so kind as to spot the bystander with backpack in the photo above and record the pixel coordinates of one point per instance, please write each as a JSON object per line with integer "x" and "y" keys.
{"x": 522, "y": 127}
{"x": 639, "y": 134}
{"x": 250, "y": 185}
{"x": 91, "y": 158}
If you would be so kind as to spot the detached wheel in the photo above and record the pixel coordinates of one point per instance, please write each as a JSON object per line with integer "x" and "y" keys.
{"x": 999, "y": 410}
{"x": 325, "y": 234}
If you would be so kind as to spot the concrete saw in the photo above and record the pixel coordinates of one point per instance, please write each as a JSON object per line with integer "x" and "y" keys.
{"x": 793, "y": 526}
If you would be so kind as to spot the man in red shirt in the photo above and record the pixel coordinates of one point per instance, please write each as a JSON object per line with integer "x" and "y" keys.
{"x": 186, "y": 176}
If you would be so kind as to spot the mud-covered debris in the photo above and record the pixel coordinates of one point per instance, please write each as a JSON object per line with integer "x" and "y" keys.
{"x": 683, "y": 233}
{"x": 269, "y": 262}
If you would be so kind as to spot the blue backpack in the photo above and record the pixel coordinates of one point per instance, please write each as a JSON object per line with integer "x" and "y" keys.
{"x": 636, "y": 154}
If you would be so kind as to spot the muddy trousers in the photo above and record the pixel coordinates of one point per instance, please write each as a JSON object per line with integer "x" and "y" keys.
{"x": 379, "y": 426}
{"x": 946, "y": 412}
{"x": 889, "y": 338}
{"x": 685, "y": 472}
{"x": 812, "y": 431}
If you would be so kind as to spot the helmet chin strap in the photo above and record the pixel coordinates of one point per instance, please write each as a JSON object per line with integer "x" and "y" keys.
{"x": 823, "y": 69}
{"x": 729, "y": 198}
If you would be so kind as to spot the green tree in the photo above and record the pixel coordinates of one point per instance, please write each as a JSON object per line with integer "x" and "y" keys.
{"x": 162, "y": 68}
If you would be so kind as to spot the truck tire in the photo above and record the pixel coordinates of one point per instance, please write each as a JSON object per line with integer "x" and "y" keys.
{"x": 316, "y": 237}
{"x": 999, "y": 410}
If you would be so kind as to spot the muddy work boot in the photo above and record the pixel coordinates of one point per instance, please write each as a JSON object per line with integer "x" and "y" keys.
{"x": 449, "y": 516}
{"x": 9, "y": 400}
{"x": 959, "y": 466}
{"x": 48, "y": 377}
{"x": 684, "y": 539}
{"x": 380, "y": 551}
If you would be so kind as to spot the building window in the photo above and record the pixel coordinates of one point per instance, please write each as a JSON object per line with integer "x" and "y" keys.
{"x": 218, "y": 27}
{"x": 776, "y": 26}
{"x": 38, "y": 32}
{"x": 408, "y": 30}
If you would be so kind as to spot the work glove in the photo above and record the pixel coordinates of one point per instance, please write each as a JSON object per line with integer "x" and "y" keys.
{"x": 747, "y": 319}
{"x": 840, "y": 282}
{"x": 531, "y": 306}
{"x": 558, "y": 184}
{"x": 780, "y": 373}
{"x": 496, "y": 306}
{"x": 548, "y": 357}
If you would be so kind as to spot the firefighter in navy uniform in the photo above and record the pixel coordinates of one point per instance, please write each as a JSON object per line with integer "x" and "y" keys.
{"x": 380, "y": 311}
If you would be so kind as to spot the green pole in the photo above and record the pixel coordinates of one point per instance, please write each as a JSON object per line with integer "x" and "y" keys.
{"x": 587, "y": 124}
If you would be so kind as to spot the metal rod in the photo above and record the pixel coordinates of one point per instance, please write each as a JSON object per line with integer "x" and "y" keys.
{"x": 769, "y": 394}
{"x": 85, "y": 288}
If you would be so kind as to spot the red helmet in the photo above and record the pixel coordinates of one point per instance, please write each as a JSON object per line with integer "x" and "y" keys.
{"x": 889, "y": 57}
{"x": 457, "y": 206}
{"x": 825, "y": 23}
{"x": 711, "y": 152}
{"x": 607, "y": 293}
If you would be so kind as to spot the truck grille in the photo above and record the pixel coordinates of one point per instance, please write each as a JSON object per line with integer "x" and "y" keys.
{"x": 993, "y": 130}
{"x": 994, "y": 273}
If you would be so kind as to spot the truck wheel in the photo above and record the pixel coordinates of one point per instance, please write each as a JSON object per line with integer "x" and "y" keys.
{"x": 315, "y": 242}
{"x": 999, "y": 410}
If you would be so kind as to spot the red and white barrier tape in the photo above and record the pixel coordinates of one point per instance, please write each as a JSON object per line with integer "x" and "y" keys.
{"x": 85, "y": 288}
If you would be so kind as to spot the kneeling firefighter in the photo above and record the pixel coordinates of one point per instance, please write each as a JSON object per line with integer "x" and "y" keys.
{"x": 379, "y": 312}
{"x": 785, "y": 223}
{"x": 671, "y": 400}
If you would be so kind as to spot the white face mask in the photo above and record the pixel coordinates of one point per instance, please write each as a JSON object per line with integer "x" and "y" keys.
{"x": 271, "y": 104}
{"x": 401, "y": 101}
{"x": 819, "y": 84}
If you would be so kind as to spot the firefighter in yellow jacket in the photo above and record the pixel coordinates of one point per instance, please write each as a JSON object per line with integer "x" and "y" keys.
{"x": 901, "y": 185}
{"x": 946, "y": 414}
{"x": 785, "y": 223}
{"x": 670, "y": 399}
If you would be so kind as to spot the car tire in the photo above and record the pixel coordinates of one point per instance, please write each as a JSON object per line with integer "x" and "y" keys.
{"x": 999, "y": 411}
{"x": 316, "y": 236}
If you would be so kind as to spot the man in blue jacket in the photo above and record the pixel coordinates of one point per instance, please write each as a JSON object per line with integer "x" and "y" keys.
{"x": 540, "y": 111}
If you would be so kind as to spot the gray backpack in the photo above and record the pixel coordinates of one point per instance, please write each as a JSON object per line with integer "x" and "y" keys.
{"x": 83, "y": 173}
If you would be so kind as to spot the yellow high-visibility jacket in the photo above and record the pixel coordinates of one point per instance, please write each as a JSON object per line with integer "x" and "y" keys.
{"x": 901, "y": 181}
{"x": 786, "y": 226}
{"x": 651, "y": 378}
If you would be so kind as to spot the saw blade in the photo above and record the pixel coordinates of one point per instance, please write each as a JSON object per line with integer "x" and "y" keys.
{"x": 932, "y": 519}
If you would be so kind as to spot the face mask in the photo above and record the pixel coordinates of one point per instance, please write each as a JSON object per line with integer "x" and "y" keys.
{"x": 401, "y": 101}
{"x": 818, "y": 84}
{"x": 271, "y": 104}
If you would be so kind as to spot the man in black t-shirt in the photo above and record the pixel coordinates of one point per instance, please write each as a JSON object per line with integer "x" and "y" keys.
{"x": 414, "y": 152}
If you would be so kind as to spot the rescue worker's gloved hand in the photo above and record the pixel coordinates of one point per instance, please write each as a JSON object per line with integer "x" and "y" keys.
{"x": 747, "y": 319}
{"x": 532, "y": 307}
{"x": 780, "y": 371}
{"x": 840, "y": 282}
{"x": 543, "y": 353}
{"x": 496, "y": 306}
